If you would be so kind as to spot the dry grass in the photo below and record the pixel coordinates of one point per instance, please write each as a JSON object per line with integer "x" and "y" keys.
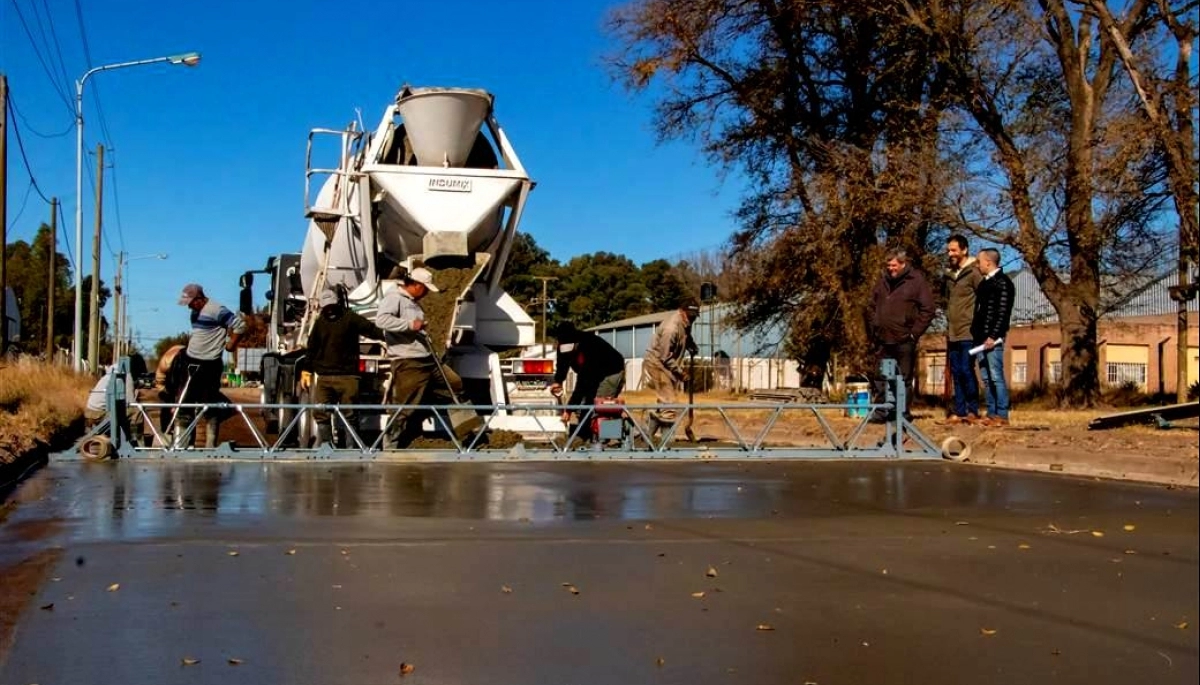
{"x": 37, "y": 402}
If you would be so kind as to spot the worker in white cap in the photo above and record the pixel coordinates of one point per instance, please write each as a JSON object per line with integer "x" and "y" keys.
{"x": 415, "y": 378}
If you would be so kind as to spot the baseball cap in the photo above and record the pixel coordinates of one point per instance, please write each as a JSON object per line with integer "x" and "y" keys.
{"x": 190, "y": 292}
{"x": 424, "y": 277}
{"x": 327, "y": 298}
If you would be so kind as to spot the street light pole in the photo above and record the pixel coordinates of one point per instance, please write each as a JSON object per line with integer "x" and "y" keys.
{"x": 189, "y": 59}
{"x": 545, "y": 301}
{"x": 121, "y": 301}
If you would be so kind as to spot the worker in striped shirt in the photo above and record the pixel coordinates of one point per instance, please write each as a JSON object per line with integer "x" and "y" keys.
{"x": 215, "y": 331}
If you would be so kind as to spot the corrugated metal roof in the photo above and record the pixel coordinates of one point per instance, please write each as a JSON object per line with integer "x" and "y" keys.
{"x": 643, "y": 320}
{"x": 1119, "y": 300}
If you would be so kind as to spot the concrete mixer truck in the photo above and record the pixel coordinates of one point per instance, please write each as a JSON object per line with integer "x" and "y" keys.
{"x": 436, "y": 184}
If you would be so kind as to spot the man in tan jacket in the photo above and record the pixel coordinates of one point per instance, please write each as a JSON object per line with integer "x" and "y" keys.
{"x": 663, "y": 369}
{"x": 962, "y": 279}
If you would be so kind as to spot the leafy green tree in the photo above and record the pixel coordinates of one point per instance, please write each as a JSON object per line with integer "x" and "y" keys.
{"x": 164, "y": 344}
{"x": 601, "y": 287}
{"x": 665, "y": 286}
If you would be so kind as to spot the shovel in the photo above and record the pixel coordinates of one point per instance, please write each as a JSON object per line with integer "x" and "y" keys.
{"x": 462, "y": 421}
{"x": 691, "y": 416}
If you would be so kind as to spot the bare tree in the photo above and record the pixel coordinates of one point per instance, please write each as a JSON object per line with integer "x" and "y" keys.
{"x": 829, "y": 109}
{"x": 1056, "y": 162}
{"x": 1168, "y": 98}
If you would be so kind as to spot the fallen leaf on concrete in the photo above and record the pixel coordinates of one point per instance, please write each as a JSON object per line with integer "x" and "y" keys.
{"x": 56, "y": 580}
{"x": 697, "y": 595}
{"x": 1023, "y": 546}
{"x": 114, "y": 587}
{"x": 291, "y": 552}
{"x": 406, "y": 668}
{"x": 506, "y": 589}
{"x": 662, "y": 554}
{"x": 1097, "y": 533}
{"x": 764, "y": 627}
{"x": 345, "y": 552}
{"x": 48, "y": 607}
{"x": 235, "y": 662}
{"x": 660, "y": 662}
{"x": 991, "y": 547}
{"x": 1055, "y": 652}
{"x": 649, "y": 527}
{"x": 711, "y": 572}
{"x": 1131, "y": 551}
{"x": 962, "y": 523}
{"x": 1059, "y": 531}
{"x": 188, "y": 661}
{"x": 1129, "y": 527}
{"x": 1182, "y": 626}
{"x": 987, "y": 631}
{"x": 233, "y": 553}
{"x": 884, "y": 571}
{"x": 972, "y": 538}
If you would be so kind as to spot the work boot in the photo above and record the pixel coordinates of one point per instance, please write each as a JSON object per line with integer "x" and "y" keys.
{"x": 211, "y": 424}
{"x": 324, "y": 434}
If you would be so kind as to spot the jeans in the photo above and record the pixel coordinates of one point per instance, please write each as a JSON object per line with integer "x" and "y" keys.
{"x": 991, "y": 366}
{"x": 962, "y": 372}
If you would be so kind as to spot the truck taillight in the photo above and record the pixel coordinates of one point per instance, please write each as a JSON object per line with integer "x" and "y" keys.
{"x": 362, "y": 365}
{"x": 533, "y": 366}
{"x": 368, "y": 366}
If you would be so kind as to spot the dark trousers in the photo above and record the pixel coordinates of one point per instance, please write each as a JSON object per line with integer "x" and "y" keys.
{"x": 962, "y": 372}
{"x": 333, "y": 389}
{"x": 905, "y": 354}
{"x": 417, "y": 381}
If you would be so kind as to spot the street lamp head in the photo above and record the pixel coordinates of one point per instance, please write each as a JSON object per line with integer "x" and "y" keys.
{"x": 188, "y": 59}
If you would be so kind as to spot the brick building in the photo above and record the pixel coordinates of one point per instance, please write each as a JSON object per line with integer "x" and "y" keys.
{"x": 1137, "y": 341}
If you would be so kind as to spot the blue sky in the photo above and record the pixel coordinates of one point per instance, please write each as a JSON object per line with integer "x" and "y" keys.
{"x": 209, "y": 162}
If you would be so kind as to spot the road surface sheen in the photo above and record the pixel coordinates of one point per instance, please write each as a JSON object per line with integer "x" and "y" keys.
{"x": 602, "y": 573}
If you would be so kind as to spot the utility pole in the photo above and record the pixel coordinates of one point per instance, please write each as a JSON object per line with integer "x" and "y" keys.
{"x": 545, "y": 301}
{"x": 3, "y": 213}
{"x": 53, "y": 282}
{"x": 117, "y": 309}
{"x": 94, "y": 323}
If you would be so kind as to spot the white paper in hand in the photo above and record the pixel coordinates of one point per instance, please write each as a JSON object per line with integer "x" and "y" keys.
{"x": 979, "y": 349}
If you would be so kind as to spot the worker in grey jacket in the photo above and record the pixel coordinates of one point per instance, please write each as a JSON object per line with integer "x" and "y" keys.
{"x": 663, "y": 368}
{"x": 415, "y": 378}
{"x": 962, "y": 280}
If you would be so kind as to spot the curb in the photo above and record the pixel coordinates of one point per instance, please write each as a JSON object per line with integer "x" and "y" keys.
{"x": 1175, "y": 470}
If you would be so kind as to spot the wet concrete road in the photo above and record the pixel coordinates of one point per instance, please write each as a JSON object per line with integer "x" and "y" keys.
{"x": 867, "y": 573}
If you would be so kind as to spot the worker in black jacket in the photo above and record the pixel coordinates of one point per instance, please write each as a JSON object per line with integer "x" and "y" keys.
{"x": 599, "y": 368}
{"x": 993, "y": 309}
{"x": 333, "y": 354}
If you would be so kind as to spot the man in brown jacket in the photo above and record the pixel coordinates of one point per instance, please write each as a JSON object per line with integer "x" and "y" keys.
{"x": 901, "y": 310}
{"x": 663, "y": 369}
{"x": 962, "y": 279}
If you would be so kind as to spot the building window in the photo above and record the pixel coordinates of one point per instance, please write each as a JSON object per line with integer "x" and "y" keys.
{"x": 1056, "y": 372}
{"x": 1020, "y": 373}
{"x": 1119, "y": 373}
{"x": 935, "y": 378}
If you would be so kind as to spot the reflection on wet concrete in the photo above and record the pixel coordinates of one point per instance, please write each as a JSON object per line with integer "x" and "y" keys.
{"x": 139, "y": 499}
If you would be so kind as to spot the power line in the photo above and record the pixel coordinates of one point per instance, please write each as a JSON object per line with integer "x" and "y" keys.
{"x": 87, "y": 55}
{"x": 25, "y": 158}
{"x": 38, "y": 53}
{"x": 62, "y": 225}
{"x": 29, "y": 127}
{"x": 62, "y": 65}
{"x": 24, "y": 201}
{"x": 117, "y": 203}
